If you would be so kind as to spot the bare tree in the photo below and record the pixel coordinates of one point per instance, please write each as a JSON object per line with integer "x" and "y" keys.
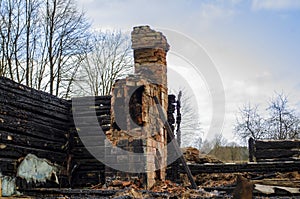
{"x": 31, "y": 36}
{"x": 249, "y": 123}
{"x": 42, "y": 43}
{"x": 110, "y": 59}
{"x": 11, "y": 39}
{"x": 65, "y": 35}
{"x": 281, "y": 121}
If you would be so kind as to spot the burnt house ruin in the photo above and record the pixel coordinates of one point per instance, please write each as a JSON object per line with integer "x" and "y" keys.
{"x": 124, "y": 128}
{"x": 49, "y": 145}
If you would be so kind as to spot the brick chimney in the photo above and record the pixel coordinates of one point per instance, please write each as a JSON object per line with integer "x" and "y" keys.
{"x": 135, "y": 124}
{"x": 150, "y": 50}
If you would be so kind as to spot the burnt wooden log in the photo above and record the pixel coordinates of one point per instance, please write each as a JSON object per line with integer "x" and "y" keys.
{"x": 276, "y": 153}
{"x": 91, "y": 130}
{"x": 92, "y": 112}
{"x": 31, "y": 128}
{"x": 277, "y": 144}
{"x": 28, "y": 116}
{"x": 73, "y": 193}
{"x": 97, "y": 140}
{"x": 93, "y": 122}
{"x": 99, "y": 100}
{"x": 8, "y": 166}
{"x": 16, "y": 152}
{"x": 47, "y": 111}
{"x": 83, "y": 152}
{"x": 263, "y": 167}
{"x": 26, "y": 141}
{"x": 9, "y": 97}
{"x": 91, "y": 166}
{"x": 284, "y": 159}
{"x": 275, "y": 150}
{"x": 88, "y": 121}
{"x": 251, "y": 149}
{"x": 12, "y": 87}
{"x": 33, "y": 122}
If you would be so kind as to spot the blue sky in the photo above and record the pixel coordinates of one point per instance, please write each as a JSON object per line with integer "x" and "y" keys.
{"x": 254, "y": 44}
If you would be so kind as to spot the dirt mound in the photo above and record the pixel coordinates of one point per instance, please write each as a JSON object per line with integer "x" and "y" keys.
{"x": 193, "y": 155}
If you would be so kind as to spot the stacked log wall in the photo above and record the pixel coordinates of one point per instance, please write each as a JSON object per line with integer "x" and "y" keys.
{"x": 39, "y": 123}
{"x": 86, "y": 170}
{"x": 32, "y": 122}
{"x": 274, "y": 150}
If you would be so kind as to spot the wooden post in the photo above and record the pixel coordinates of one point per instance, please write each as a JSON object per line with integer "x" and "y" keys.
{"x": 176, "y": 147}
{"x": 178, "y": 118}
{"x": 251, "y": 149}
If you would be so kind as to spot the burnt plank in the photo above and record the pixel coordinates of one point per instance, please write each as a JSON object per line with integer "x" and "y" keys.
{"x": 80, "y": 160}
{"x": 283, "y": 159}
{"x": 13, "y": 87}
{"x": 275, "y": 153}
{"x": 8, "y": 166}
{"x": 81, "y": 153}
{"x": 91, "y": 121}
{"x": 72, "y": 193}
{"x": 31, "y": 128}
{"x": 93, "y": 112}
{"x": 88, "y": 174}
{"x": 80, "y": 109}
{"x": 277, "y": 144}
{"x": 84, "y": 151}
{"x": 89, "y": 167}
{"x": 97, "y": 140}
{"x": 102, "y": 97}
{"x": 82, "y": 101}
{"x": 90, "y": 130}
{"x": 29, "y": 116}
{"x": 27, "y": 141}
{"x": 244, "y": 167}
{"x": 14, "y": 151}
{"x": 88, "y": 178}
{"x": 34, "y": 107}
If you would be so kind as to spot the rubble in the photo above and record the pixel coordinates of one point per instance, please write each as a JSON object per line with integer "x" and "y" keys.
{"x": 161, "y": 189}
{"x": 193, "y": 155}
{"x": 216, "y": 179}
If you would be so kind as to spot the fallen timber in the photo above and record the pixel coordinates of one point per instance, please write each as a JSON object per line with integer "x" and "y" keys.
{"x": 176, "y": 147}
{"x": 262, "y": 167}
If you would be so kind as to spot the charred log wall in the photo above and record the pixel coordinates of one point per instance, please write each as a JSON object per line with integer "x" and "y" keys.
{"x": 274, "y": 150}
{"x": 33, "y": 122}
{"x": 86, "y": 170}
{"x": 36, "y": 122}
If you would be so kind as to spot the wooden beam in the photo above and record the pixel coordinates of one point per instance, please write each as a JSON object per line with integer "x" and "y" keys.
{"x": 276, "y": 153}
{"x": 176, "y": 147}
{"x": 31, "y": 128}
{"x": 32, "y": 94}
{"x": 13, "y": 138}
{"x": 277, "y": 144}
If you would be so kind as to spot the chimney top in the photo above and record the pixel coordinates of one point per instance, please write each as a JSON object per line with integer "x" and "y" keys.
{"x": 143, "y": 37}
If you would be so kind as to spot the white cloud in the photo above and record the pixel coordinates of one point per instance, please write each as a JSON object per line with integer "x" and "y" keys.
{"x": 213, "y": 11}
{"x": 275, "y": 4}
